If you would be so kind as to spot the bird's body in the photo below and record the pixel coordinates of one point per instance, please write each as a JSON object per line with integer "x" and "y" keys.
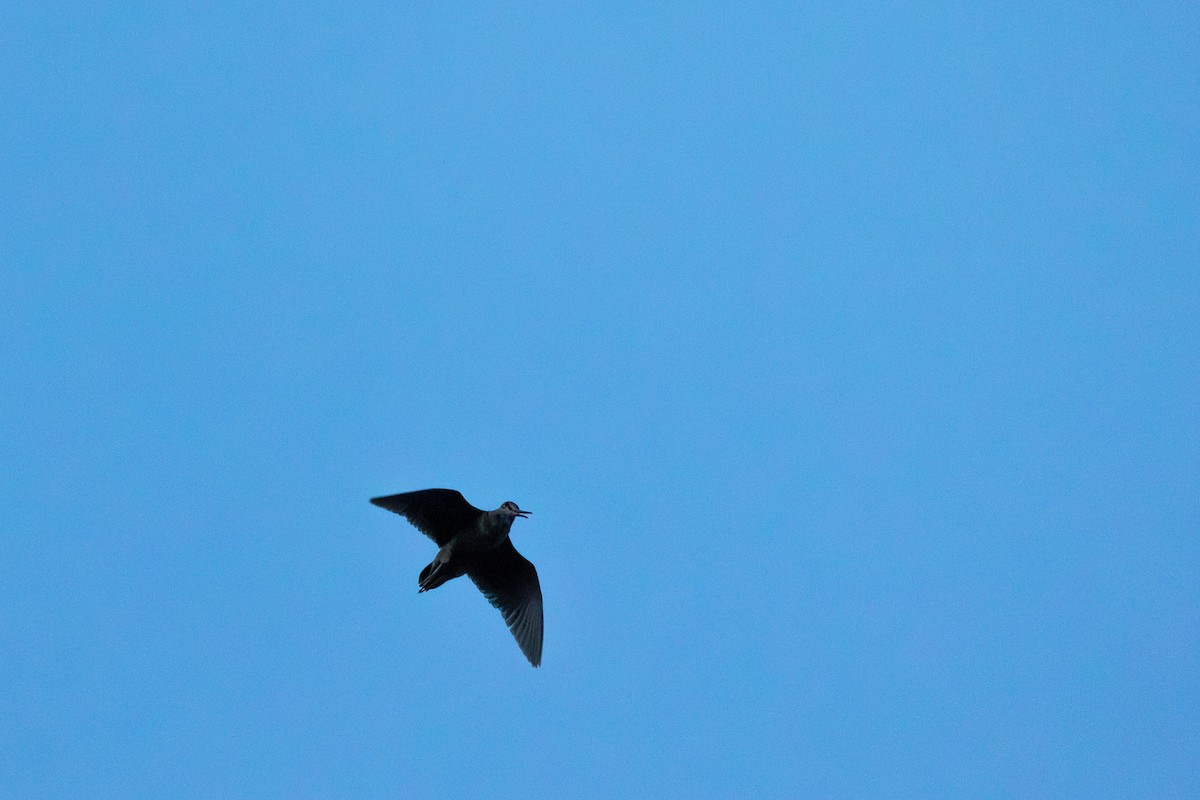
{"x": 475, "y": 543}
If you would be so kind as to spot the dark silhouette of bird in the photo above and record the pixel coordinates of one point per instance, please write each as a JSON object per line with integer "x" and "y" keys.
{"x": 475, "y": 543}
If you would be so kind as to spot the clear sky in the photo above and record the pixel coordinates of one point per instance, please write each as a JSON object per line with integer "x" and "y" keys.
{"x": 848, "y": 356}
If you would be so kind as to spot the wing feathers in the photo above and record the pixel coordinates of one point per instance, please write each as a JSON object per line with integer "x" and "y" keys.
{"x": 510, "y": 583}
{"x": 437, "y": 513}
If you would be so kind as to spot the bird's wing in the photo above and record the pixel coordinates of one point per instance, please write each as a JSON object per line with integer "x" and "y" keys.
{"x": 437, "y": 513}
{"x": 510, "y": 583}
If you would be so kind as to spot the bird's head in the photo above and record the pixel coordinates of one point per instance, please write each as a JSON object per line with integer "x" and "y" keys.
{"x": 510, "y": 511}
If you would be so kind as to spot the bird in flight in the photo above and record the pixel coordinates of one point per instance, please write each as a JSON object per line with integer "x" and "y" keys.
{"x": 475, "y": 543}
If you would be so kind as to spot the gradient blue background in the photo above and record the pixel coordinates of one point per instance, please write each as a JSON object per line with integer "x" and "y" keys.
{"x": 847, "y": 354}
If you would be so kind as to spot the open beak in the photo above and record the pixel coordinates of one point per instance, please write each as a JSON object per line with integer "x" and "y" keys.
{"x": 522, "y": 513}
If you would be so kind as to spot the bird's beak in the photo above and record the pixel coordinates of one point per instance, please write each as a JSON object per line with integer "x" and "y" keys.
{"x": 522, "y": 513}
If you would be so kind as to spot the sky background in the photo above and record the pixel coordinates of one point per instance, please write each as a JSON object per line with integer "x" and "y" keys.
{"x": 848, "y": 355}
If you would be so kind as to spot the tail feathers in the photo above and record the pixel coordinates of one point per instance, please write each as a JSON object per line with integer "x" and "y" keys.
{"x": 437, "y": 573}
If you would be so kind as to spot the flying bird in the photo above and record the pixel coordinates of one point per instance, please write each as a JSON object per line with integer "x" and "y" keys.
{"x": 475, "y": 543}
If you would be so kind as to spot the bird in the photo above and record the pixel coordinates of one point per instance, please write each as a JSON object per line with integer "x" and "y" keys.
{"x": 475, "y": 543}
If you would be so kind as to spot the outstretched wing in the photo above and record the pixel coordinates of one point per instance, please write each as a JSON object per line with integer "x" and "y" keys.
{"x": 437, "y": 513}
{"x": 510, "y": 583}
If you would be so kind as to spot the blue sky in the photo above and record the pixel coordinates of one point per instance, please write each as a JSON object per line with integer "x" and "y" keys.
{"x": 848, "y": 356}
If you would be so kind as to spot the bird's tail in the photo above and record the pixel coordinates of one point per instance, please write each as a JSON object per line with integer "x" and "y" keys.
{"x": 437, "y": 573}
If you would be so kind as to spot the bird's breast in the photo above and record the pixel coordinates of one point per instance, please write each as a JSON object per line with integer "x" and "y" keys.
{"x": 479, "y": 539}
